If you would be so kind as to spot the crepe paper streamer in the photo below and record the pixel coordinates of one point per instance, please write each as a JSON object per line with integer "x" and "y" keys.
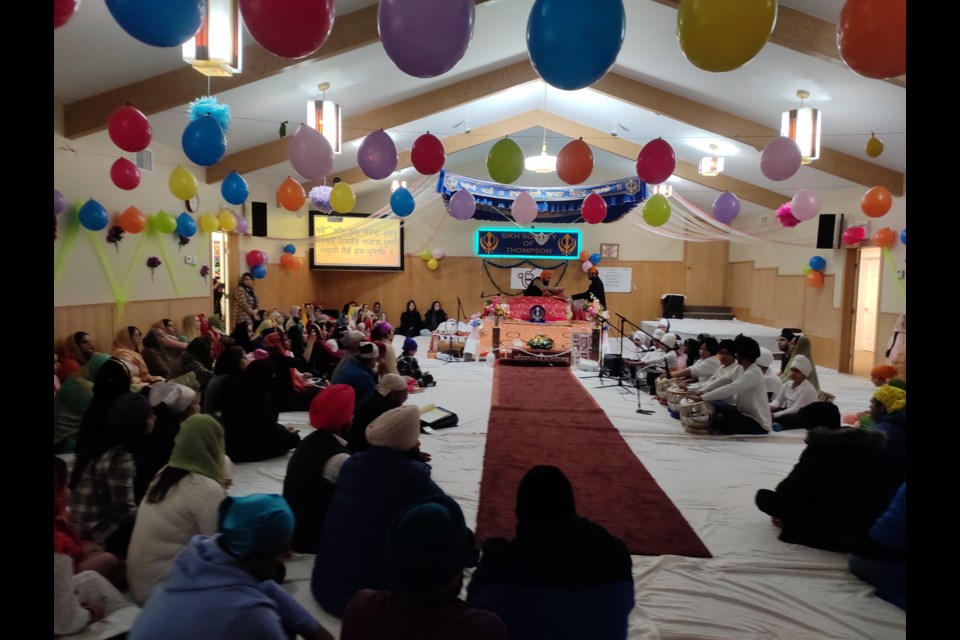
{"x": 166, "y": 259}
{"x": 137, "y": 253}
{"x": 70, "y": 225}
{"x": 100, "y": 251}
{"x": 888, "y": 258}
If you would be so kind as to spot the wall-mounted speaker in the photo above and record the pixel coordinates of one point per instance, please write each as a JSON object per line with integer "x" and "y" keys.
{"x": 826, "y": 232}
{"x": 258, "y": 219}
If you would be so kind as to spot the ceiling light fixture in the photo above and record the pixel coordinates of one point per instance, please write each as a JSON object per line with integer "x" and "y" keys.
{"x": 802, "y": 125}
{"x": 663, "y": 189}
{"x": 543, "y": 163}
{"x": 216, "y": 49}
{"x": 711, "y": 165}
{"x": 324, "y": 116}
{"x": 397, "y": 184}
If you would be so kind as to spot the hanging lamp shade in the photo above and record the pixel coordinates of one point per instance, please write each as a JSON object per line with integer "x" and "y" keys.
{"x": 217, "y": 49}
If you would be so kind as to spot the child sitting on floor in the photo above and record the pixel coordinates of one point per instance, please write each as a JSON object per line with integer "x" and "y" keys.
{"x": 407, "y": 365}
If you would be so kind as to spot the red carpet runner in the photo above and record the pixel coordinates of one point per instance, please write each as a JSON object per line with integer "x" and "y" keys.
{"x": 544, "y": 416}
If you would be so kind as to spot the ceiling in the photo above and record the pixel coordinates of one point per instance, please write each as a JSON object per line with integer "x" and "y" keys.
{"x": 652, "y": 91}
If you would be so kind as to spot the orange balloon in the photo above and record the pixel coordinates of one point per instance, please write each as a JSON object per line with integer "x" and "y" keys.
{"x": 584, "y": 256}
{"x": 885, "y": 237}
{"x": 288, "y": 261}
{"x": 872, "y": 37}
{"x": 876, "y": 202}
{"x": 815, "y": 279}
{"x": 132, "y": 220}
{"x": 575, "y": 162}
{"x": 291, "y": 195}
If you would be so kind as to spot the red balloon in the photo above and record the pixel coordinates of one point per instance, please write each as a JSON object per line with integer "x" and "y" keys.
{"x": 63, "y": 10}
{"x": 872, "y": 37}
{"x": 575, "y": 162}
{"x": 656, "y": 161}
{"x": 256, "y": 257}
{"x": 125, "y": 174}
{"x": 288, "y": 28}
{"x": 129, "y": 129}
{"x": 427, "y": 154}
{"x": 594, "y": 209}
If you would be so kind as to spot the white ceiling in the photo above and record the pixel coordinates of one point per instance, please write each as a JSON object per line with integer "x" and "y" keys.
{"x": 93, "y": 54}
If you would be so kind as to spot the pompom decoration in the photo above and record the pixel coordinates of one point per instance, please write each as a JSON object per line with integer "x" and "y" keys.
{"x": 207, "y": 105}
{"x": 785, "y": 216}
{"x": 321, "y": 198}
{"x": 115, "y": 236}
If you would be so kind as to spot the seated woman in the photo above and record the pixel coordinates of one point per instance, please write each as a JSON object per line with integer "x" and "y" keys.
{"x": 793, "y": 395}
{"x": 106, "y": 481}
{"x": 181, "y": 502}
{"x": 562, "y": 576}
{"x": 197, "y": 359}
{"x": 172, "y": 404}
{"x": 687, "y": 355}
{"x": 291, "y": 390}
{"x": 433, "y": 318}
{"x": 191, "y": 327}
{"x": 705, "y": 366}
{"x": 243, "y": 336}
{"x": 727, "y": 371}
{"x": 540, "y": 286}
{"x": 804, "y": 348}
{"x": 410, "y": 321}
{"x": 751, "y": 413}
{"x": 159, "y": 359}
{"x": 383, "y": 332}
{"x": 249, "y": 419}
{"x": 77, "y": 349}
{"x": 127, "y": 345}
{"x": 880, "y": 557}
{"x": 71, "y": 402}
{"x": 172, "y": 339}
{"x": 109, "y": 383}
{"x": 230, "y": 363}
{"x": 326, "y": 354}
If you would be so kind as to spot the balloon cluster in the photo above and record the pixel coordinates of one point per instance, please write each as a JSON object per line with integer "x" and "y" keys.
{"x": 257, "y": 261}
{"x": 588, "y": 260}
{"x": 287, "y": 261}
{"x": 129, "y": 130}
{"x": 432, "y": 258}
{"x": 814, "y": 271}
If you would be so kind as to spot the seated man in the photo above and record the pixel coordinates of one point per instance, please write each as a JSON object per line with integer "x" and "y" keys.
{"x": 725, "y": 374}
{"x": 705, "y": 366}
{"x": 540, "y": 286}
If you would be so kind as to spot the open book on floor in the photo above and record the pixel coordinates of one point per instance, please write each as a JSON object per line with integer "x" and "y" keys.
{"x": 433, "y": 417}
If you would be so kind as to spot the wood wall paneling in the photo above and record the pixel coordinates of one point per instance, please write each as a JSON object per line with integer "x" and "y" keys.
{"x": 705, "y": 273}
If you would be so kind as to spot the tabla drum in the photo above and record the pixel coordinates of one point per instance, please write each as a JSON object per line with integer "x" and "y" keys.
{"x": 696, "y": 417}
{"x": 674, "y": 396}
{"x": 612, "y": 365}
{"x": 663, "y": 384}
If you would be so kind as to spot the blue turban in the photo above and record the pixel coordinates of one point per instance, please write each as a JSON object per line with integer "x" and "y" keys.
{"x": 254, "y": 523}
{"x": 409, "y": 344}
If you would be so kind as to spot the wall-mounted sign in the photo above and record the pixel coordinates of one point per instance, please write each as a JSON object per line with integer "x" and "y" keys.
{"x": 561, "y": 244}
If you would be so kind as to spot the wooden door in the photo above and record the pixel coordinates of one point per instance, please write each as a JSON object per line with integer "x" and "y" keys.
{"x": 705, "y": 269}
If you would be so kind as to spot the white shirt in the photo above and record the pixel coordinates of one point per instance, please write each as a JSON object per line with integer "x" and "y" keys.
{"x": 772, "y": 380}
{"x": 703, "y": 369}
{"x": 792, "y": 400}
{"x": 751, "y": 395}
{"x": 723, "y": 376}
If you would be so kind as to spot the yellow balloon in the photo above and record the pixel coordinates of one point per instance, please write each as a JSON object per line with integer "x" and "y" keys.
{"x": 874, "y": 146}
{"x": 209, "y": 223}
{"x": 182, "y": 183}
{"x": 227, "y": 221}
{"x": 342, "y": 198}
{"x": 723, "y": 36}
{"x": 432, "y": 264}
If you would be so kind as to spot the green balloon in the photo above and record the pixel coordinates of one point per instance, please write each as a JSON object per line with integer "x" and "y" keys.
{"x": 505, "y": 161}
{"x": 164, "y": 222}
{"x": 656, "y": 210}
{"x": 425, "y": 254}
{"x": 807, "y": 270}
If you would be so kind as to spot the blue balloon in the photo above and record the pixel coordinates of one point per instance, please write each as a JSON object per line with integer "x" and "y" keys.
{"x": 259, "y": 272}
{"x": 93, "y": 216}
{"x": 401, "y": 201}
{"x": 572, "y": 43}
{"x": 159, "y": 23}
{"x": 817, "y": 263}
{"x": 203, "y": 141}
{"x": 903, "y": 236}
{"x": 289, "y": 248}
{"x": 594, "y": 259}
{"x": 186, "y": 225}
{"x": 234, "y": 189}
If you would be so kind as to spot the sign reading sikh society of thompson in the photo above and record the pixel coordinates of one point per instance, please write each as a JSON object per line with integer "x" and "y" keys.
{"x": 561, "y": 244}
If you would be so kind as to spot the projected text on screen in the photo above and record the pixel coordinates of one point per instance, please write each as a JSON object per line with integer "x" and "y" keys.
{"x": 356, "y": 242}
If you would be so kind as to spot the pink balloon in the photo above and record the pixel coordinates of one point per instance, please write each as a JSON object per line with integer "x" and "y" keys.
{"x": 310, "y": 153}
{"x": 853, "y": 235}
{"x": 438, "y": 253}
{"x": 780, "y": 159}
{"x": 805, "y": 204}
{"x": 524, "y": 208}
{"x": 288, "y": 28}
{"x": 656, "y": 161}
{"x": 125, "y": 174}
{"x": 463, "y": 205}
{"x": 377, "y": 155}
{"x": 241, "y": 224}
{"x": 586, "y": 265}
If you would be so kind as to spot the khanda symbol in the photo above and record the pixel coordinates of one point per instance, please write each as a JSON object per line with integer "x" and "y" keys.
{"x": 567, "y": 244}
{"x": 489, "y": 243}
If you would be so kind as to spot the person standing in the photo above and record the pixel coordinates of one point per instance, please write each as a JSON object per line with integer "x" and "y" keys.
{"x": 218, "y": 291}
{"x": 595, "y": 290}
{"x": 245, "y": 301}
{"x": 540, "y": 286}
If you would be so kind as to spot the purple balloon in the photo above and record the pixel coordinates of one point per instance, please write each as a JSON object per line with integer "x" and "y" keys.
{"x": 377, "y": 155}
{"x": 726, "y": 207}
{"x": 241, "y": 224}
{"x": 425, "y": 38}
{"x": 310, "y": 153}
{"x": 780, "y": 159}
{"x": 524, "y": 208}
{"x": 59, "y": 202}
{"x": 463, "y": 205}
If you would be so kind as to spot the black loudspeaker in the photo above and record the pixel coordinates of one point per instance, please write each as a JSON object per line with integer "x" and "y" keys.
{"x": 826, "y": 232}
{"x": 258, "y": 219}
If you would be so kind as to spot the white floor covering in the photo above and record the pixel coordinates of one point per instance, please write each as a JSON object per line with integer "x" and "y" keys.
{"x": 755, "y": 587}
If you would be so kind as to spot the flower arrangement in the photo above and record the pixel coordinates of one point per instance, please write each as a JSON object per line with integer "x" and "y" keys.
{"x": 204, "y": 272}
{"x": 785, "y": 216}
{"x": 495, "y": 307}
{"x": 115, "y": 236}
{"x": 540, "y": 341}
{"x": 183, "y": 240}
{"x": 153, "y": 262}
{"x": 595, "y": 311}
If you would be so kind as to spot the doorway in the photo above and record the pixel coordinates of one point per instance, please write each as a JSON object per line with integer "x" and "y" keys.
{"x": 221, "y": 287}
{"x": 865, "y": 318}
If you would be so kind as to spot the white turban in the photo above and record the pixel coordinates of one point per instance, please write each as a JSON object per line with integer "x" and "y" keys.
{"x": 766, "y": 357}
{"x": 802, "y": 364}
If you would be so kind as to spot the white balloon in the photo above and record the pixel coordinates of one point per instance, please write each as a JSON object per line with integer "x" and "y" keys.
{"x": 805, "y": 204}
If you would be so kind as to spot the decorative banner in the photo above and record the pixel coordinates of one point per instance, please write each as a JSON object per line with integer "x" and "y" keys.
{"x": 557, "y": 205}
{"x": 562, "y": 244}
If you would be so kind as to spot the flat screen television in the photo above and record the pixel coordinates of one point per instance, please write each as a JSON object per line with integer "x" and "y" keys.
{"x": 355, "y": 242}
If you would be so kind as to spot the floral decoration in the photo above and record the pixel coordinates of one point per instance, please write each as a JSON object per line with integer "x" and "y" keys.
{"x": 115, "y": 236}
{"x": 153, "y": 262}
{"x": 785, "y": 216}
{"x": 184, "y": 240}
{"x": 495, "y": 307}
{"x": 321, "y": 198}
{"x": 540, "y": 341}
{"x": 204, "y": 272}
{"x": 595, "y": 311}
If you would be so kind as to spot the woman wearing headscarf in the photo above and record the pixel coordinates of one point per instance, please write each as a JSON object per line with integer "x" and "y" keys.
{"x": 373, "y": 487}
{"x": 290, "y": 390}
{"x": 230, "y": 363}
{"x": 804, "y": 348}
{"x": 111, "y": 381}
{"x": 171, "y": 339}
{"x": 326, "y": 354}
{"x": 78, "y": 348}
{"x": 127, "y": 345}
{"x": 172, "y": 404}
{"x": 250, "y": 420}
{"x": 245, "y": 301}
{"x": 71, "y": 402}
{"x": 181, "y": 502}
{"x": 410, "y": 321}
{"x": 559, "y": 563}
{"x": 159, "y": 359}
{"x": 106, "y": 481}
{"x": 383, "y": 332}
{"x": 197, "y": 359}
{"x": 434, "y": 317}
{"x": 794, "y": 395}
{"x": 243, "y": 336}
{"x": 315, "y": 464}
